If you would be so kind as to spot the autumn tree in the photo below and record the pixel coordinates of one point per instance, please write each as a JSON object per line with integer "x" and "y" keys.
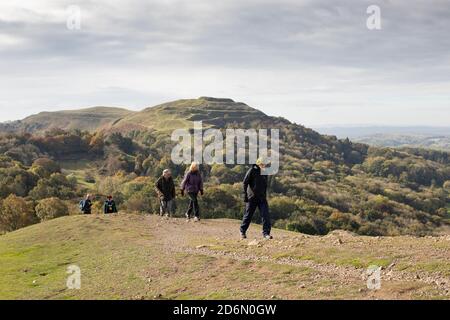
{"x": 51, "y": 208}
{"x": 16, "y": 213}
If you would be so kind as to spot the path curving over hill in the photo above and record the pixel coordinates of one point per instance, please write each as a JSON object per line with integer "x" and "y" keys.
{"x": 147, "y": 257}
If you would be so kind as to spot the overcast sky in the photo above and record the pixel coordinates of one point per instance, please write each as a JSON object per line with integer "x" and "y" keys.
{"x": 313, "y": 62}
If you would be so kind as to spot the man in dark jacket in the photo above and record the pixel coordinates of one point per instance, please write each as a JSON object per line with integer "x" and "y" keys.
{"x": 109, "y": 206}
{"x": 86, "y": 205}
{"x": 165, "y": 189}
{"x": 255, "y": 196}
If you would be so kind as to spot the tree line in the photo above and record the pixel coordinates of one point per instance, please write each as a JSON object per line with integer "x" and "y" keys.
{"x": 324, "y": 183}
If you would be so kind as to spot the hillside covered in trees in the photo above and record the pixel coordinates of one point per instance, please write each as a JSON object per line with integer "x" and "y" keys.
{"x": 323, "y": 184}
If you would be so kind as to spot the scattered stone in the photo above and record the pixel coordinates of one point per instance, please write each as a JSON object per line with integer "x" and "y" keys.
{"x": 341, "y": 234}
{"x": 391, "y": 266}
{"x": 201, "y": 246}
{"x": 254, "y": 243}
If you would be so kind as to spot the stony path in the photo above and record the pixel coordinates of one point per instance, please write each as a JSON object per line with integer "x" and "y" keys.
{"x": 344, "y": 274}
{"x": 220, "y": 239}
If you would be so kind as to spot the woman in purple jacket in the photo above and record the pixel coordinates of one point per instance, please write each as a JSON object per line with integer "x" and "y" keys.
{"x": 192, "y": 184}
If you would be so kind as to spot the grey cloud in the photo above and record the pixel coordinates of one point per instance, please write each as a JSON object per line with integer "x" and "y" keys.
{"x": 282, "y": 33}
{"x": 279, "y": 37}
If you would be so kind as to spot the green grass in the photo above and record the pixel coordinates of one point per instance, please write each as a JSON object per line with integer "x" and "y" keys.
{"x": 79, "y": 169}
{"x": 90, "y": 119}
{"x": 181, "y": 114}
{"x": 339, "y": 257}
{"x": 128, "y": 257}
{"x": 36, "y": 266}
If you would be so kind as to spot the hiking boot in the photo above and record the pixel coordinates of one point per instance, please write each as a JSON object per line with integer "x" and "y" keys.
{"x": 196, "y": 219}
{"x": 267, "y": 237}
{"x": 243, "y": 235}
{"x": 188, "y": 218}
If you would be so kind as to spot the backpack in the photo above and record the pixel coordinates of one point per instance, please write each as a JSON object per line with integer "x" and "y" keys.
{"x": 81, "y": 205}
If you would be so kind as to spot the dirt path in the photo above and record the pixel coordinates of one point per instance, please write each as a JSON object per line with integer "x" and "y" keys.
{"x": 220, "y": 239}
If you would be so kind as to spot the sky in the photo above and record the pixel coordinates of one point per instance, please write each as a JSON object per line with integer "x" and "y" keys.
{"x": 313, "y": 62}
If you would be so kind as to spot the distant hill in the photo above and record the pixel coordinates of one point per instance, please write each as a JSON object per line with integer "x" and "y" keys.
{"x": 144, "y": 257}
{"x": 165, "y": 117}
{"x": 90, "y": 119}
{"x": 352, "y": 132}
{"x": 437, "y": 138}
{"x": 181, "y": 113}
{"x": 405, "y": 140}
{"x": 226, "y": 113}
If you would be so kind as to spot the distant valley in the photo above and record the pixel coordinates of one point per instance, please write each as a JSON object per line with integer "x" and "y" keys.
{"x": 437, "y": 138}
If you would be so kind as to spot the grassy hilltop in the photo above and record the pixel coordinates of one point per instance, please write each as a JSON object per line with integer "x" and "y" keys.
{"x": 324, "y": 183}
{"x": 146, "y": 257}
{"x": 218, "y": 112}
{"x": 89, "y": 119}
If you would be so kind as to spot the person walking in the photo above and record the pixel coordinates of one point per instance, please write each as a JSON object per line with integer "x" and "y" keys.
{"x": 86, "y": 205}
{"x": 193, "y": 185}
{"x": 255, "y": 196}
{"x": 165, "y": 189}
{"x": 110, "y": 206}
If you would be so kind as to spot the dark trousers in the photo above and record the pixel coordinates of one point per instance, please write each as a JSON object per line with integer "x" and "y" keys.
{"x": 193, "y": 205}
{"x": 166, "y": 207}
{"x": 250, "y": 208}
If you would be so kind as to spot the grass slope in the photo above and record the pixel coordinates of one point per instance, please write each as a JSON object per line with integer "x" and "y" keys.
{"x": 90, "y": 119}
{"x": 181, "y": 113}
{"x": 146, "y": 257}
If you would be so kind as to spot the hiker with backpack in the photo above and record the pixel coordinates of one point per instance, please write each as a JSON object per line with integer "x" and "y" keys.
{"x": 165, "y": 189}
{"x": 255, "y": 196}
{"x": 110, "y": 206}
{"x": 86, "y": 205}
{"x": 192, "y": 185}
